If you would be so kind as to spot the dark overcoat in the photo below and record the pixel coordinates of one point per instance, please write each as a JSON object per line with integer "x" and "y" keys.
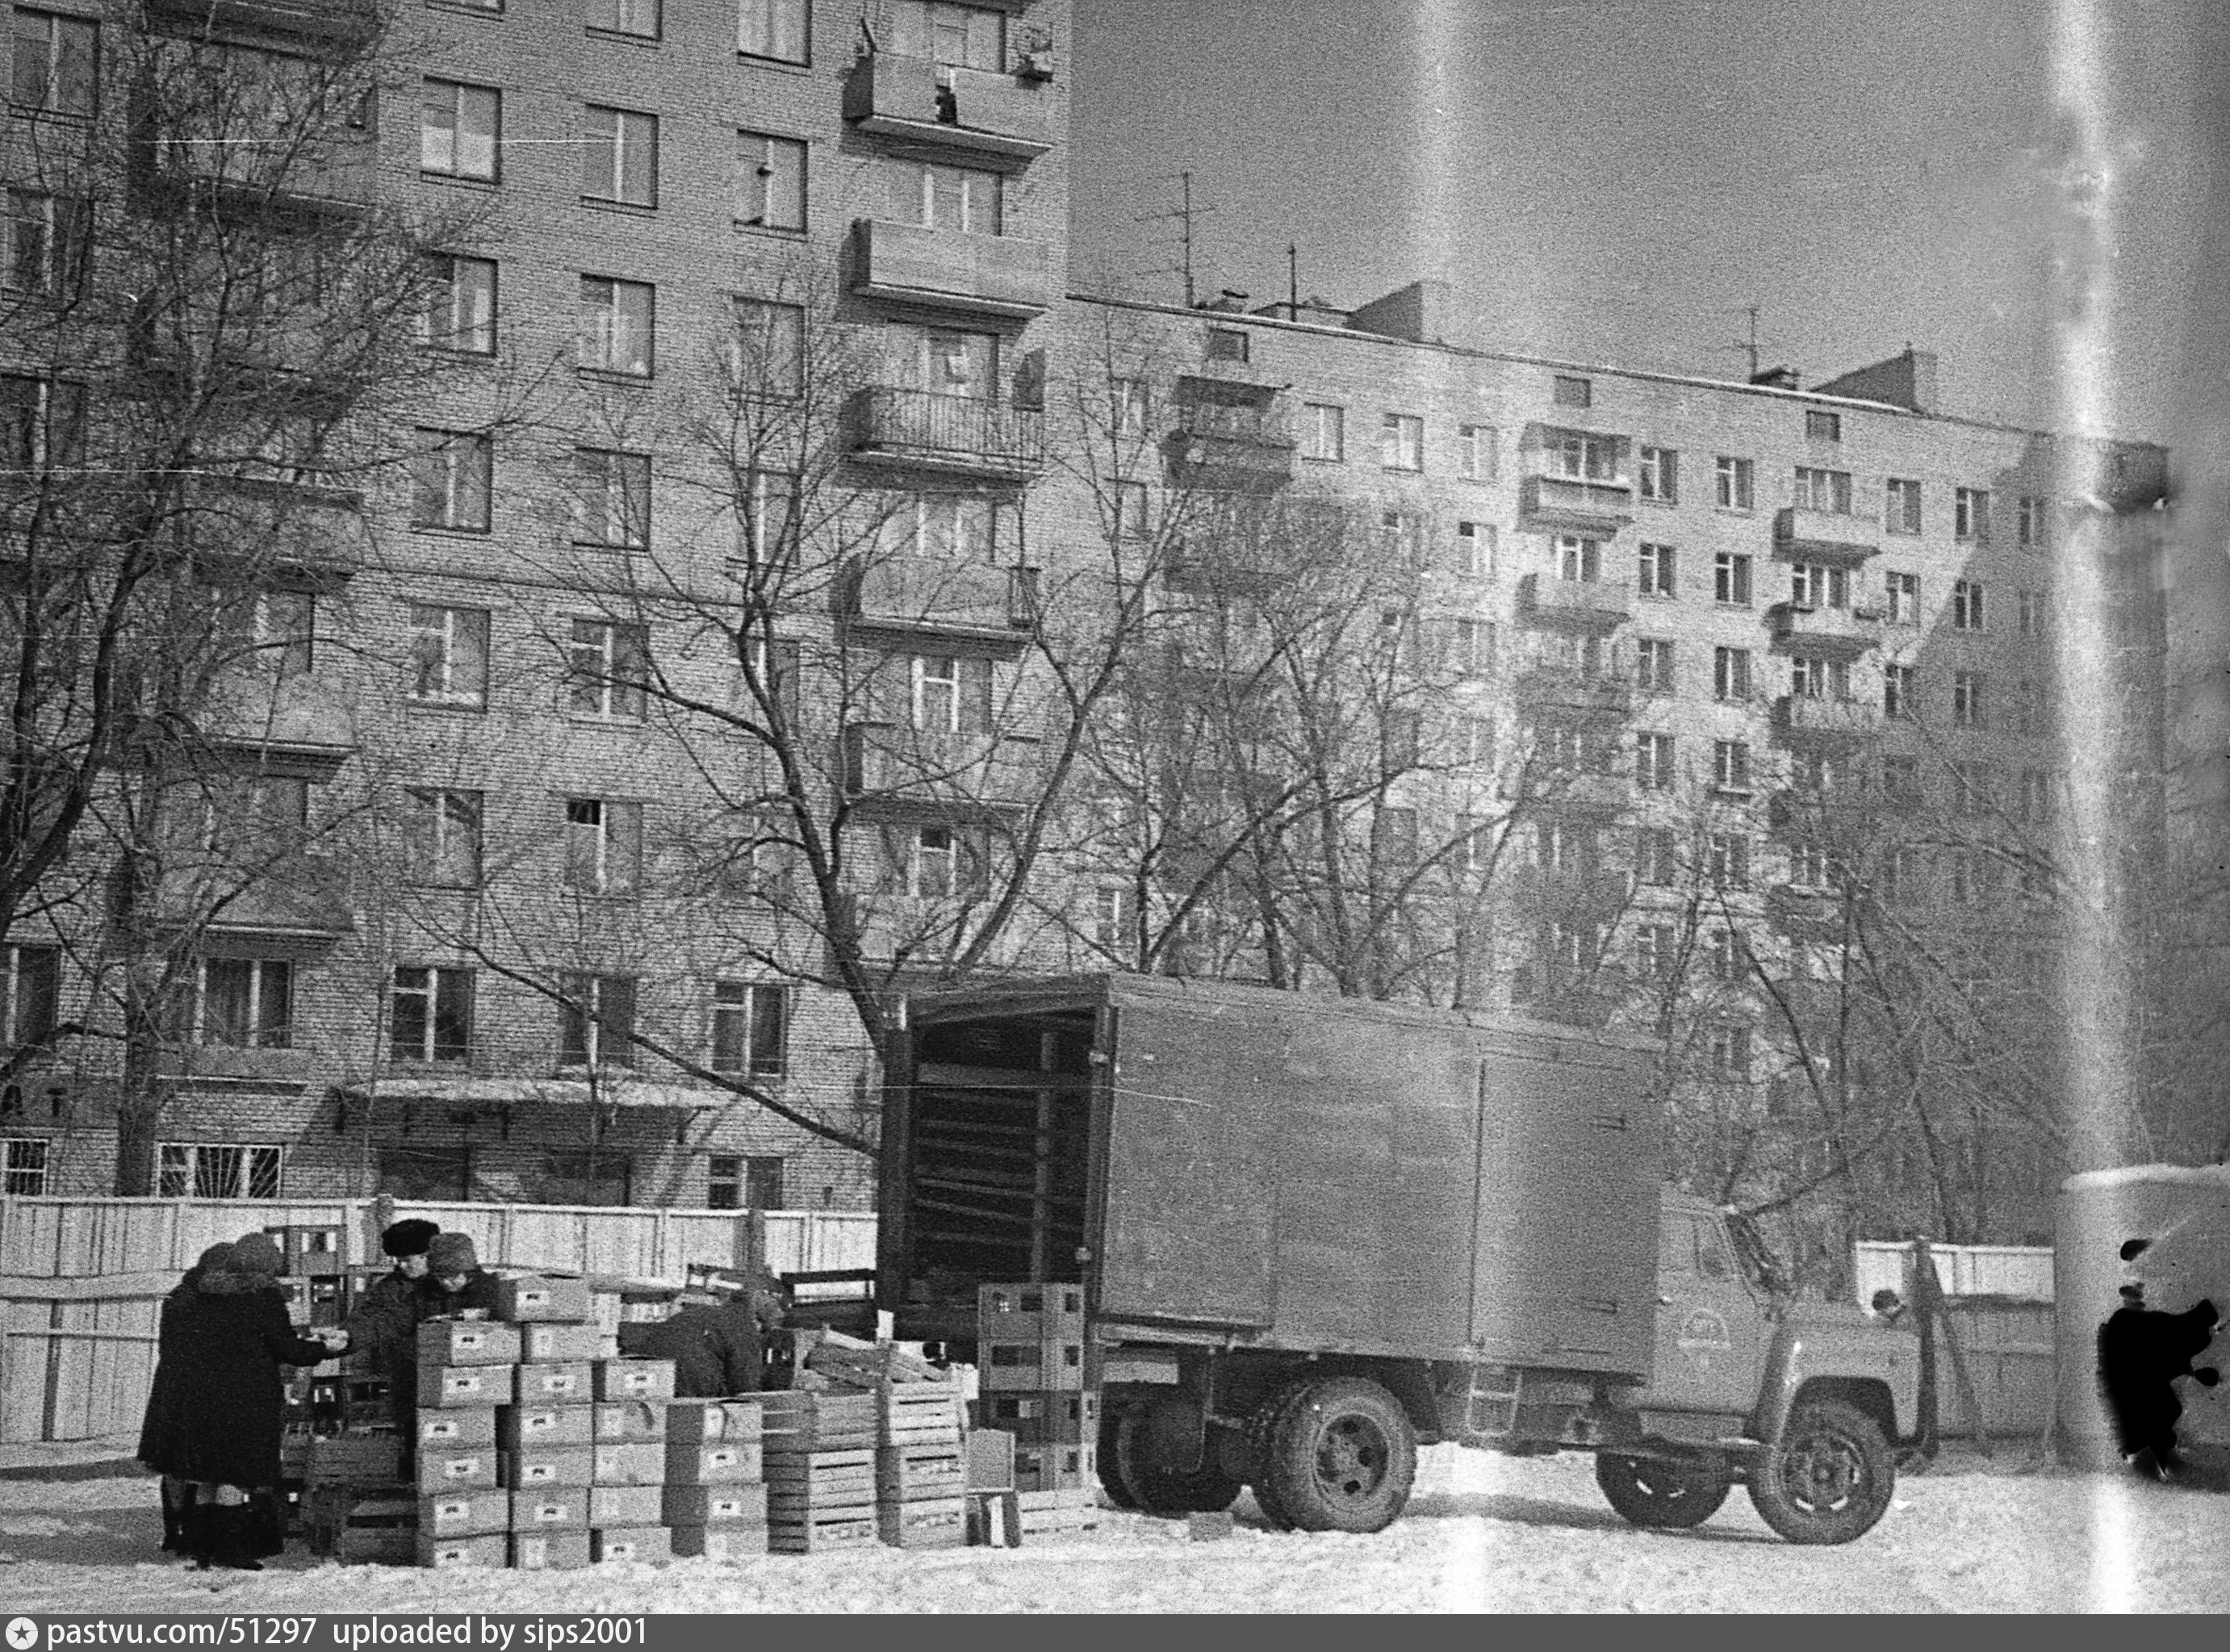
{"x": 716, "y": 1350}
{"x": 383, "y": 1332}
{"x": 215, "y": 1409}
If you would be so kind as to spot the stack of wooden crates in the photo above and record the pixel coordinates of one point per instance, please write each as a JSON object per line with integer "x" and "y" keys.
{"x": 315, "y": 1283}
{"x": 878, "y": 1463}
{"x": 1032, "y": 1384}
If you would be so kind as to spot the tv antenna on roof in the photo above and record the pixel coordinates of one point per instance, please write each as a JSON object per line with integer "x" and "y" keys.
{"x": 1185, "y": 213}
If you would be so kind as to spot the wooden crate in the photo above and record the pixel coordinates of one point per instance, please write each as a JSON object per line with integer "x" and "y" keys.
{"x": 796, "y": 1482}
{"x": 1042, "y": 1367}
{"x": 933, "y": 1523}
{"x": 1029, "y": 1313}
{"x": 1035, "y": 1419}
{"x": 354, "y": 1460}
{"x": 357, "y": 1525}
{"x": 921, "y": 1413}
{"x": 1044, "y": 1512}
{"x": 1056, "y": 1468}
{"x": 815, "y": 1533}
{"x": 916, "y": 1473}
{"x": 796, "y": 1421}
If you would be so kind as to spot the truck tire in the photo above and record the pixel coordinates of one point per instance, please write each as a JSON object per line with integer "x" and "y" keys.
{"x": 1662, "y": 1495}
{"x": 1158, "y": 1487}
{"x": 1828, "y": 1478}
{"x": 1261, "y": 1427}
{"x": 1342, "y": 1457}
{"x": 1111, "y": 1463}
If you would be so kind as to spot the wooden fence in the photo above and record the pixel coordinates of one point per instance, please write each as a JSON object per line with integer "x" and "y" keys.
{"x": 82, "y": 1279}
{"x": 2021, "y": 1272}
{"x": 1999, "y": 1301}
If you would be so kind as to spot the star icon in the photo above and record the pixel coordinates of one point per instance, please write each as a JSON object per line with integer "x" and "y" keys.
{"x": 22, "y": 1634}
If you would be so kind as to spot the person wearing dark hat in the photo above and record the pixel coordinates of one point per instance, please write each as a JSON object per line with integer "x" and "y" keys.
{"x": 455, "y": 1283}
{"x": 178, "y": 1495}
{"x": 381, "y": 1330}
{"x": 214, "y": 1420}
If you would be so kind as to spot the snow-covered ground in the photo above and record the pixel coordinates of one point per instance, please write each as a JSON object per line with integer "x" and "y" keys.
{"x": 79, "y": 1529}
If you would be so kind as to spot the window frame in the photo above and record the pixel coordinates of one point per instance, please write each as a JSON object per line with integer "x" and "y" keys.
{"x": 1318, "y": 426}
{"x": 608, "y": 323}
{"x": 1734, "y": 482}
{"x": 607, "y": 670}
{"x": 736, "y": 1027}
{"x": 431, "y": 825}
{"x": 443, "y": 337}
{"x": 1657, "y": 473}
{"x": 1401, "y": 443}
{"x": 174, "y": 1158}
{"x": 442, "y": 984}
{"x": 617, "y": 9}
{"x": 586, "y": 1008}
{"x": 767, "y": 46}
{"x": 774, "y": 147}
{"x": 448, "y": 655}
{"x": 1731, "y": 582}
{"x": 53, "y": 77}
{"x": 1657, "y": 571}
{"x": 1478, "y": 452}
{"x": 267, "y": 979}
{"x": 14, "y": 1178}
{"x": 603, "y": 857}
{"x": 603, "y": 477}
{"x": 457, "y": 169}
{"x": 59, "y": 227}
{"x": 614, "y": 155}
{"x": 466, "y": 483}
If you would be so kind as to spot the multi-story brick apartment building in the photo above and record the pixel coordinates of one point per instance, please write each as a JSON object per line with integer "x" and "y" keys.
{"x": 1678, "y": 620}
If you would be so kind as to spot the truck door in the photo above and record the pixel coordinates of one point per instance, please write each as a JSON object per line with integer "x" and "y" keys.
{"x": 1711, "y": 1329}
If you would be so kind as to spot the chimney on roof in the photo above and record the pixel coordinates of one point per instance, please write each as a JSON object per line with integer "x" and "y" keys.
{"x": 1418, "y": 313}
{"x": 1906, "y": 380}
{"x": 1775, "y": 377}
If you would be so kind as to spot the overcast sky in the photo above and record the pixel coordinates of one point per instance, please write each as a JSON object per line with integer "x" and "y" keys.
{"x": 1610, "y": 181}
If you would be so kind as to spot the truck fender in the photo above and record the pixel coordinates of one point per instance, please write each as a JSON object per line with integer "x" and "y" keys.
{"x": 1880, "y": 1378}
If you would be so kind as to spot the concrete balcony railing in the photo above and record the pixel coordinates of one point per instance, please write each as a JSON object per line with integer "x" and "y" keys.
{"x": 1588, "y": 604}
{"x": 1576, "y": 504}
{"x": 929, "y": 594}
{"x": 975, "y": 110}
{"x": 1843, "y": 631}
{"x": 1560, "y": 686}
{"x": 1224, "y": 445}
{"x": 962, "y": 434}
{"x": 1595, "y": 890}
{"x": 1589, "y": 791}
{"x": 958, "y": 771}
{"x": 345, "y": 24}
{"x": 1801, "y": 534}
{"x": 284, "y": 891}
{"x": 1800, "y": 719}
{"x": 300, "y": 722}
{"x": 1802, "y": 909}
{"x": 995, "y": 276}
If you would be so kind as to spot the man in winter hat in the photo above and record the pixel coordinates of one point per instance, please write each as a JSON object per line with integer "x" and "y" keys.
{"x": 455, "y": 1282}
{"x": 381, "y": 1330}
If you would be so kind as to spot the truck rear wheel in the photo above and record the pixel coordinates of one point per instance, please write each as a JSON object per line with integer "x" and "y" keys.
{"x": 1341, "y": 1457}
{"x": 1659, "y": 1494}
{"x": 1111, "y": 1463}
{"x": 1142, "y": 1465}
{"x": 1828, "y": 1478}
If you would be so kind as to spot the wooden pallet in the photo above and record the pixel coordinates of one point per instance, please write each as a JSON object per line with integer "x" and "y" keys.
{"x": 915, "y": 1473}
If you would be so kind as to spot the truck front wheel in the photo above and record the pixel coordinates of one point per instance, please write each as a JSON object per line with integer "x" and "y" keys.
{"x": 1666, "y": 1496}
{"x": 1341, "y": 1457}
{"x": 1828, "y": 1478}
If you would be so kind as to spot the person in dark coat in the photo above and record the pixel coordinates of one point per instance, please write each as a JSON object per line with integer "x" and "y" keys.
{"x": 178, "y": 1495}
{"x": 215, "y": 1421}
{"x": 455, "y": 1283}
{"x": 2141, "y": 1351}
{"x": 715, "y": 1343}
{"x": 383, "y": 1328}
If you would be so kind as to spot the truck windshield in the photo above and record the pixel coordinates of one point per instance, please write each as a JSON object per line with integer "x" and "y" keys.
{"x": 1756, "y": 1258}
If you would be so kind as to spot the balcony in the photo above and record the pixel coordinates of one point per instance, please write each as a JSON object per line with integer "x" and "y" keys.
{"x": 1841, "y": 631}
{"x": 913, "y": 594}
{"x": 1803, "y": 720}
{"x": 1002, "y": 276}
{"x": 983, "y": 113}
{"x": 1802, "y": 909}
{"x": 311, "y": 529}
{"x": 1575, "y": 791}
{"x": 1801, "y": 534}
{"x": 1584, "y": 604}
{"x": 344, "y": 25}
{"x": 286, "y": 892}
{"x": 1564, "y": 689}
{"x": 952, "y": 434}
{"x": 1229, "y": 444}
{"x": 1594, "y": 889}
{"x": 956, "y": 773}
{"x": 1596, "y": 505}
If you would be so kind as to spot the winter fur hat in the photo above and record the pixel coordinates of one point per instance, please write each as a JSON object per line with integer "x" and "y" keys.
{"x": 216, "y": 1259}
{"x": 451, "y": 1253}
{"x": 409, "y": 1238}
{"x": 257, "y": 1253}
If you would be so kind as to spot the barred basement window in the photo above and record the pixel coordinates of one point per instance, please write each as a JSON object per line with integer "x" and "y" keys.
{"x": 26, "y": 1167}
{"x": 201, "y": 1170}
{"x": 724, "y": 1182}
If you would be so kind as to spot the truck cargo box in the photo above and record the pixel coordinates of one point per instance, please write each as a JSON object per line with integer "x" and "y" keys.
{"x": 1221, "y": 1163}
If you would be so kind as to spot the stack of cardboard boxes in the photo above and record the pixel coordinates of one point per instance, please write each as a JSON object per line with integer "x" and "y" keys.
{"x": 1032, "y": 1384}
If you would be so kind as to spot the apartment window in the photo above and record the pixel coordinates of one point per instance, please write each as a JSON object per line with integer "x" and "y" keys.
{"x": 959, "y": 36}
{"x": 616, "y": 326}
{"x": 937, "y": 863}
{"x": 1478, "y": 455}
{"x": 766, "y": 525}
{"x": 1900, "y": 691}
{"x": 1815, "y": 585}
{"x": 1228, "y": 344}
{"x": 1971, "y": 513}
{"x": 770, "y": 181}
{"x": 1808, "y": 866}
{"x": 724, "y": 1182}
{"x": 1583, "y": 457}
{"x": 1813, "y": 676}
{"x": 1110, "y": 931}
{"x": 1821, "y": 425}
{"x": 1573, "y": 392}
{"x": 248, "y": 1002}
{"x": 611, "y": 505}
{"x": 448, "y": 657}
{"x": 950, "y": 694}
{"x": 1475, "y": 743}
{"x": 1727, "y": 856}
{"x": 1578, "y": 561}
{"x": 49, "y": 239}
{"x": 2030, "y": 610}
{"x": 461, "y": 296}
{"x": 607, "y": 667}
{"x": 2037, "y": 790}
{"x": 1656, "y": 856}
{"x": 1735, "y": 479}
{"x": 767, "y": 348}
{"x": 1967, "y": 700}
{"x": 1401, "y": 442}
{"x": 430, "y": 1014}
{"x": 1130, "y": 409}
{"x": 1967, "y": 606}
{"x": 460, "y": 130}
{"x": 442, "y": 836}
{"x": 1903, "y": 513}
{"x": 1653, "y": 658}
{"x": 619, "y": 156}
{"x": 1823, "y": 490}
{"x": 1655, "y": 576}
{"x": 781, "y": 29}
{"x": 1730, "y": 673}
{"x": 595, "y": 1020}
{"x": 1730, "y": 578}
{"x": 34, "y": 985}
{"x": 1657, "y": 474}
{"x": 1653, "y": 769}
{"x": 1655, "y": 949}
{"x": 946, "y": 198}
{"x": 41, "y": 422}
{"x": 1725, "y": 955}
{"x": 1475, "y": 550}
{"x": 204, "y": 1170}
{"x": 1901, "y": 780}
{"x": 637, "y": 18}
{"x": 1324, "y": 429}
{"x": 56, "y": 63}
{"x": 1729, "y": 1053}
{"x": 453, "y": 477}
{"x": 1974, "y": 788}
{"x": 1472, "y": 648}
{"x": 750, "y": 1029}
{"x": 276, "y": 628}
{"x": 1730, "y": 764}
{"x": 604, "y": 846}
{"x": 26, "y": 1167}
{"x": 1901, "y": 594}
{"x": 2030, "y": 529}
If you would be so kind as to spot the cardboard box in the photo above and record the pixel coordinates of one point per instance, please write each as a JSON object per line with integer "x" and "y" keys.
{"x": 714, "y": 1505}
{"x": 475, "y": 1386}
{"x": 620, "y": 1506}
{"x": 634, "y": 1379}
{"x": 634, "y": 1463}
{"x": 441, "y": 1553}
{"x": 549, "y": 1550}
{"x": 529, "y": 1297}
{"x": 702, "y": 1422}
{"x": 720, "y": 1542}
{"x": 522, "y": 1428}
{"x": 464, "y": 1513}
{"x": 458, "y": 1426}
{"x": 625, "y": 1420}
{"x": 690, "y": 1464}
{"x": 632, "y": 1543}
{"x": 552, "y": 1509}
{"x": 445, "y": 1469}
{"x": 537, "y": 1466}
{"x": 553, "y": 1344}
{"x": 554, "y": 1385}
{"x": 468, "y": 1342}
